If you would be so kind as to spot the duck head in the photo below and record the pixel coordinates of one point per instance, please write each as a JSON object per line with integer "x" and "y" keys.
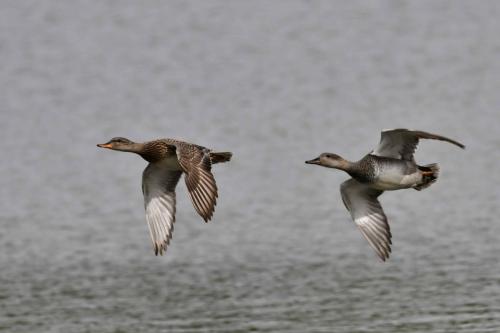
{"x": 330, "y": 160}
{"x": 121, "y": 144}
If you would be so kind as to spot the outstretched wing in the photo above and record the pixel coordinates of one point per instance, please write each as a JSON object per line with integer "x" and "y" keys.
{"x": 366, "y": 211}
{"x": 158, "y": 187}
{"x": 401, "y": 143}
{"x": 195, "y": 162}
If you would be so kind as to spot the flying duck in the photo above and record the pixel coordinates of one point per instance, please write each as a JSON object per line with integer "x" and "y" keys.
{"x": 168, "y": 160}
{"x": 391, "y": 166}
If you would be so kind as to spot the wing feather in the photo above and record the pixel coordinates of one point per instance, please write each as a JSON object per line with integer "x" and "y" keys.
{"x": 361, "y": 201}
{"x": 158, "y": 186}
{"x": 196, "y": 164}
{"x": 401, "y": 143}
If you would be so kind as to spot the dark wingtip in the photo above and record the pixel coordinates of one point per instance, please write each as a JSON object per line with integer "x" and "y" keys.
{"x": 456, "y": 143}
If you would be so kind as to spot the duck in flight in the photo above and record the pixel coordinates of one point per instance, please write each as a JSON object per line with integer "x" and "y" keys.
{"x": 168, "y": 160}
{"x": 391, "y": 166}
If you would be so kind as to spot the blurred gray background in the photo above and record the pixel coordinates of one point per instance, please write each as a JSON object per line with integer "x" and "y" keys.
{"x": 276, "y": 83}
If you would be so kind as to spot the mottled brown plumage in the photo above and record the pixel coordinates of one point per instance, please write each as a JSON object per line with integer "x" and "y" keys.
{"x": 168, "y": 159}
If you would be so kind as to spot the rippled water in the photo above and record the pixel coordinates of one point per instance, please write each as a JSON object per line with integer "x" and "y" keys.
{"x": 276, "y": 83}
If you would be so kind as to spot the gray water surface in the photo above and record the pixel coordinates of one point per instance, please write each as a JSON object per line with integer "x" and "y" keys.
{"x": 276, "y": 83}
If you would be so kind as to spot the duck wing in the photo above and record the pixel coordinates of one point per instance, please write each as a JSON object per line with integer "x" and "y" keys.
{"x": 195, "y": 162}
{"x": 401, "y": 143}
{"x": 361, "y": 201}
{"x": 158, "y": 187}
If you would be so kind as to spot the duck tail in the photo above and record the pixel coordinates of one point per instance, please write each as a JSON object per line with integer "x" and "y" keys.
{"x": 430, "y": 173}
{"x": 216, "y": 157}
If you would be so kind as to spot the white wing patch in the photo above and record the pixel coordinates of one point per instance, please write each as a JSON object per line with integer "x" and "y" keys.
{"x": 366, "y": 211}
{"x": 159, "y": 201}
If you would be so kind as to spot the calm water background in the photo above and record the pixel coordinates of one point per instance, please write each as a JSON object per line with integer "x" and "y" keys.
{"x": 276, "y": 83}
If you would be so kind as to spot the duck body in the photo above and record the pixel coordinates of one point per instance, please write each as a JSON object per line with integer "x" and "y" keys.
{"x": 168, "y": 160}
{"x": 160, "y": 153}
{"x": 386, "y": 173}
{"x": 169, "y": 163}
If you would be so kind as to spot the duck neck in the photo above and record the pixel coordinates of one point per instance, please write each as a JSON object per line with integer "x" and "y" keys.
{"x": 342, "y": 164}
{"x": 133, "y": 148}
{"x": 347, "y": 166}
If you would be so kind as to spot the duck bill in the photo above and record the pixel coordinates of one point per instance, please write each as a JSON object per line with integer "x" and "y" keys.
{"x": 313, "y": 161}
{"x": 104, "y": 145}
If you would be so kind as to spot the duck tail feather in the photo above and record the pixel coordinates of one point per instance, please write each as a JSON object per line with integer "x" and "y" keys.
{"x": 220, "y": 157}
{"x": 430, "y": 173}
